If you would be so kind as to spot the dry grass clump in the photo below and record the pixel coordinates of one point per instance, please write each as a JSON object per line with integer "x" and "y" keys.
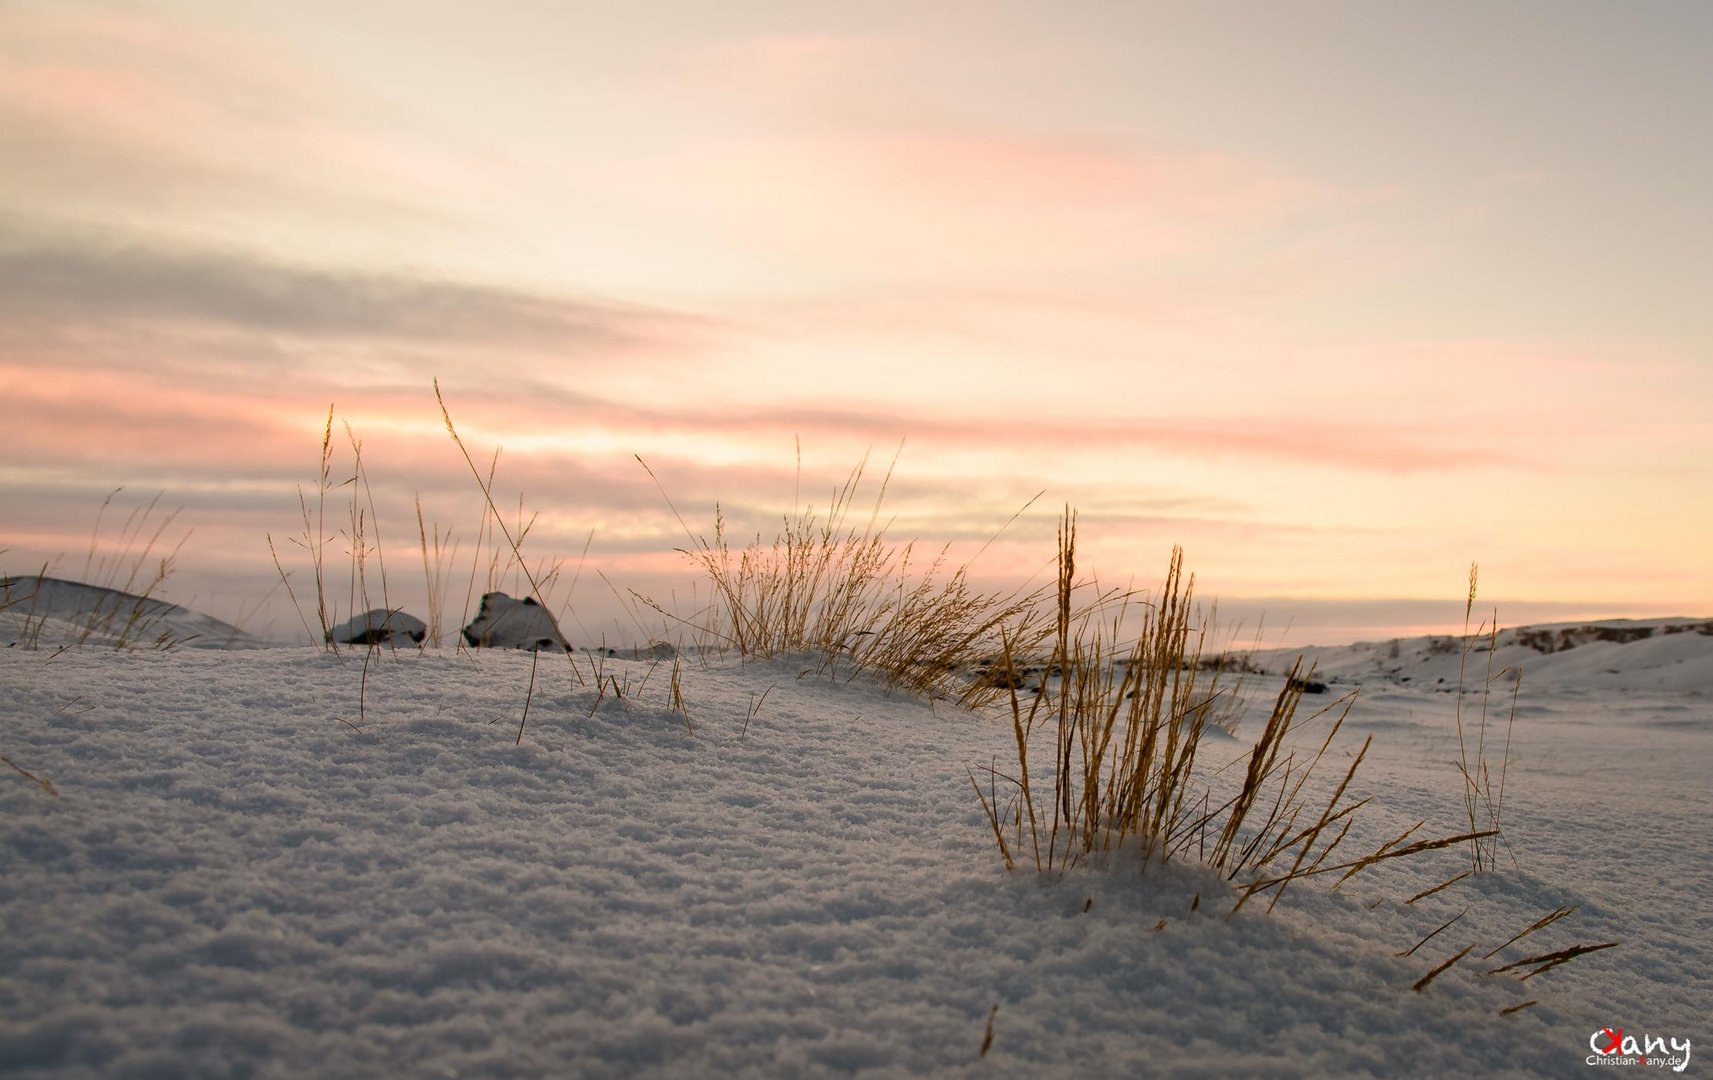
{"x": 1126, "y": 725}
{"x": 846, "y": 593}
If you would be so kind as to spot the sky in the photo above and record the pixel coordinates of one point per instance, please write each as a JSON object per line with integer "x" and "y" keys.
{"x": 1340, "y": 297}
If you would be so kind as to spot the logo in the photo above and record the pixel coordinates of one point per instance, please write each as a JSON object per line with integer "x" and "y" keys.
{"x": 1612, "y": 1047}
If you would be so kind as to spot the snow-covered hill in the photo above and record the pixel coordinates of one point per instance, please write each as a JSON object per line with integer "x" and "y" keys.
{"x": 1665, "y": 655}
{"x": 48, "y": 611}
{"x": 295, "y": 862}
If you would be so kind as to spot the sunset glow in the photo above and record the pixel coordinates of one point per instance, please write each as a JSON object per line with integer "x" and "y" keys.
{"x": 1341, "y": 297}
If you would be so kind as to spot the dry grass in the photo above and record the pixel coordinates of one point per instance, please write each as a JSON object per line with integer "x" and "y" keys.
{"x": 1537, "y": 964}
{"x": 439, "y": 549}
{"x": 506, "y": 559}
{"x": 364, "y": 584}
{"x": 340, "y": 516}
{"x": 1122, "y": 719}
{"x": 1483, "y": 802}
{"x": 1125, "y": 727}
{"x": 343, "y": 556}
{"x": 1421, "y": 983}
{"x": 1547, "y": 961}
{"x": 130, "y": 567}
{"x": 41, "y": 782}
{"x": 314, "y": 540}
{"x": 357, "y": 528}
{"x": 842, "y": 591}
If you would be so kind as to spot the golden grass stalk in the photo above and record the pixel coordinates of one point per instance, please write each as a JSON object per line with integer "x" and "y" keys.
{"x": 1387, "y": 851}
{"x": 1435, "y": 933}
{"x": 529, "y": 695}
{"x": 1548, "y": 961}
{"x": 684, "y": 710}
{"x": 314, "y": 541}
{"x": 1421, "y": 983}
{"x": 1539, "y": 924}
{"x": 1446, "y": 884}
{"x": 41, "y": 782}
{"x": 755, "y": 704}
{"x": 444, "y": 550}
{"x": 9, "y": 599}
{"x": 1482, "y": 804}
{"x": 364, "y": 522}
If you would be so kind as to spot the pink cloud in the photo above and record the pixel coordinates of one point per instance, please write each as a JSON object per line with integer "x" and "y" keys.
{"x": 85, "y": 416}
{"x": 907, "y": 205}
{"x": 1064, "y": 170}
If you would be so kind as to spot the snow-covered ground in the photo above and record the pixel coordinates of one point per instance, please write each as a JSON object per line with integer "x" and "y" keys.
{"x": 291, "y": 863}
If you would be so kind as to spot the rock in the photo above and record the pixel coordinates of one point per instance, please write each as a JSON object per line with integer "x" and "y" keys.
{"x": 505, "y": 623}
{"x": 379, "y": 627}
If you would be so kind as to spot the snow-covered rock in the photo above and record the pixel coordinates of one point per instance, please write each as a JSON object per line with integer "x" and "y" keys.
{"x": 505, "y": 623}
{"x": 381, "y": 626}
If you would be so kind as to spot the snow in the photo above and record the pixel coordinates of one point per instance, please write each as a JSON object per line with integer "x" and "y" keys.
{"x": 287, "y": 862}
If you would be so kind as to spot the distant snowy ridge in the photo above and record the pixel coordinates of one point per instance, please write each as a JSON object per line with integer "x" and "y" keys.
{"x": 1664, "y": 655}
{"x": 47, "y": 611}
